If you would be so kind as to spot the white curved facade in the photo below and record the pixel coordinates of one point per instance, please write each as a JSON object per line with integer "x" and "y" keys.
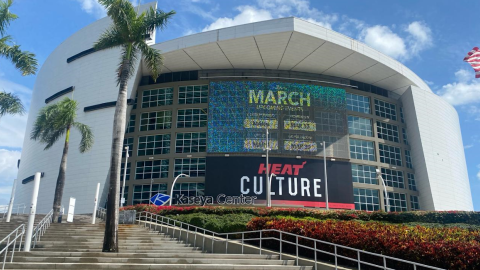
{"x": 287, "y": 44}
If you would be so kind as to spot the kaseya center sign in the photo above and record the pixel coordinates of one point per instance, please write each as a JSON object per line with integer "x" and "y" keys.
{"x": 297, "y": 181}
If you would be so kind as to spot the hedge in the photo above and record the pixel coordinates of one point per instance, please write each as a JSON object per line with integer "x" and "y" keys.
{"x": 441, "y": 217}
{"x": 216, "y": 223}
{"x": 449, "y": 248}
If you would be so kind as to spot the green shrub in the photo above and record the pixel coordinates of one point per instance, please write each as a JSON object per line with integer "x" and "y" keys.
{"x": 216, "y": 223}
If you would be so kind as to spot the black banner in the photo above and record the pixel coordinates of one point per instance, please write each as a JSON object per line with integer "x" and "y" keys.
{"x": 297, "y": 181}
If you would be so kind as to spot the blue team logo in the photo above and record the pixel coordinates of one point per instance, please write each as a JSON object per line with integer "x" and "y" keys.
{"x": 160, "y": 199}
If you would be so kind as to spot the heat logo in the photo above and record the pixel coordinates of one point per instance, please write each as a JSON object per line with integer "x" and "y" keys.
{"x": 281, "y": 169}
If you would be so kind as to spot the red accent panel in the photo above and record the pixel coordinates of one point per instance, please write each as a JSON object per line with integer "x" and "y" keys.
{"x": 316, "y": 204}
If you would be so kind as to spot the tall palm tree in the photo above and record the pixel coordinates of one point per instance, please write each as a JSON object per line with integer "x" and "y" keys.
{"x": 10, "y": 104}
{"x": 128, "y": 32}
{"x": 52, "y": 123}
{"x": 23, "y": 60}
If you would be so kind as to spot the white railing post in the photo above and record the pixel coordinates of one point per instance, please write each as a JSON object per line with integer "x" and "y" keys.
{"x": 33, "y": 211}
{"x": 95, "y": 204}
{"x": 12, "y": 198}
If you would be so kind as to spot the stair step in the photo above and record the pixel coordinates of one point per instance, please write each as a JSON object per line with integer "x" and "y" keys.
{"x": 141, "y": 255}
{"x": 147, "y": 266}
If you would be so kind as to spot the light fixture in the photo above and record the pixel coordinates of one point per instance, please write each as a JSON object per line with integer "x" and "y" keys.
{"x": 299, "y": 157}
{"x": 332, "y": 159}
{"x": 264, "y": 155}
{"x": 227, "y": 155}
{"x": 189, "y": 155}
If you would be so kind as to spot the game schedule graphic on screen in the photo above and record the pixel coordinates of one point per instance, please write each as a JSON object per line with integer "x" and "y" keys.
{"x": 299, "y": 116}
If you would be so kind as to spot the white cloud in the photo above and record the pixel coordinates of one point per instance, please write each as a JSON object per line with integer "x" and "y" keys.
{"x": 248, "y": 14}
{"x": 478, "y": 173}
{"x": 8, "y": 165}
{"x": 420, "y": 37}
{"x": 383, "y": 39}
{"x": 270, "y": 9}
{"x": 468, "y": 146}
{"x": 466, "y": 90}
{"x": 429, "y": 82}
{"x": 403, "y": 47}
{"x": 93, "y": 7}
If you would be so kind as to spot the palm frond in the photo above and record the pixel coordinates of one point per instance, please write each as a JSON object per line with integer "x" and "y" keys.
{"x": 5, "y": 16}
{"x": 153, "y": 58}
{"x": 87, "y": 137}
{"x": 53, "y": 121}
{"x": 111, "y": 38}
{"x": 127, "y": 62}
{"x": 10, "y": 104}
{"x": 156, "y": 18}
{"x": 23, "y": 60}
{"x": 121, "y": 12}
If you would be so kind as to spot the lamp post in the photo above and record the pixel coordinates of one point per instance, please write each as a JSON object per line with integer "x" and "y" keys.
{"x": 122, "y": 199}
{"x": 379, "y": 175}
{"x": 173, "y": 184}
{"x": 325, "y": 174}
{"x": 267, "y": 148}
{"x": 269, "y": 201}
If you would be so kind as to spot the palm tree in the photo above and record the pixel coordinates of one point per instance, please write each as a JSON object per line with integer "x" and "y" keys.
{"x": 23, "y": 60}
{"x": 128, "y": 32}
{"x": 10, "y": 104}
{"x": 52, "y": 123}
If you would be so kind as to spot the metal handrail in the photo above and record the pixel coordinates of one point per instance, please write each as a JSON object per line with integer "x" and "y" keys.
{"x": 10, "y": 240}
{"x": 4, "y": 209}
{"x": 41, "y": 227}
{"x": 101, "y": 213}
{"x": 224, "y": 237}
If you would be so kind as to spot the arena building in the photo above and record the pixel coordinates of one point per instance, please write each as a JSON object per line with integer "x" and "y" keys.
{"x": 207, "y": 114}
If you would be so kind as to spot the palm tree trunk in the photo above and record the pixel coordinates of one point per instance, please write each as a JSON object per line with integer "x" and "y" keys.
{"x": 110, "y": 240}
{"x": 57, "y": 200}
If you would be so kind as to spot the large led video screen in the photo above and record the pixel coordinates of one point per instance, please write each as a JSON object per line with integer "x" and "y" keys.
{"x": 295, "y": 181}
{"x": 299, "y": 117}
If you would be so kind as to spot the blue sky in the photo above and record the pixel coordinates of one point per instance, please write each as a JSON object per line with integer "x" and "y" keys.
{"x": 431, "y": 38}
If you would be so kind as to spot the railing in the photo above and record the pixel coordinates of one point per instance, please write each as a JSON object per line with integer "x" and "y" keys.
{"x": 41, "y": 227}
{"x": 101, "y": 213}
{"x": 283, "y": 238}
{"x": 11, "y": 241}
{"x": 18, "y": 207}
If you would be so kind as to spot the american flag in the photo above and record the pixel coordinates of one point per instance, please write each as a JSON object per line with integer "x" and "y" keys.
{"x": 473, "y": 58}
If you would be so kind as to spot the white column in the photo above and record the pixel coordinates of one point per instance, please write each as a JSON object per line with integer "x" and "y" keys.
{"x": 33, "y": 210}
{"x": 94, "y": 215}
{"x": 325, "y": 173}
{"x": 12, "y": 199}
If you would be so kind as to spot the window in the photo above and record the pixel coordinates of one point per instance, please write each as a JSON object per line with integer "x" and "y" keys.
{"x": 153, "y": 145}
{"x": 157, "y": 97}
{"x": 366, "y": 199}
{"x": 191, "y": 118}
{"x": 411, "y": 182}
{"x": 142, "y": 193}
{"x": 194, "y": 167}
{"x": 401, "y": 115}
{"x": 362, "y": 150}
{"x": 193, "y": 94}
{"x": 408, "y": 159}
{"x": 127, "y": 142}
{"x": 405, "y": 136}
{"x": 358, "y": 103}
{"x": 152, "y": 169}
{"x": 414, "y": 205}
{"x": 331, "y": 122}
{"x": 131, "y": 124}
{"x": 387, "y": 131}
{"x": 123, "y": 169}
{"x": 155, "y": 120}
{"x": 359, "y": 126}
{"x": 398, "y": 202}
{"x": 393, "y": 178}
{"x": 390, "y": 154}
{"x": 385, "y": 109}
{"x": 364, "y": 174}
{"x": 187, "y": 190}
{"x": 191, "y": 142}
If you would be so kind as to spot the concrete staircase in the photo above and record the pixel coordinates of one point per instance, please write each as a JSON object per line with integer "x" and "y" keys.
{"x": 15, "y": 221}
{"x": 78, "y": 246}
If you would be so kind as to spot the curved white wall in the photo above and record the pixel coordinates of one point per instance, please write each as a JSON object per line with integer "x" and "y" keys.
{"x": 437, "y": 151}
